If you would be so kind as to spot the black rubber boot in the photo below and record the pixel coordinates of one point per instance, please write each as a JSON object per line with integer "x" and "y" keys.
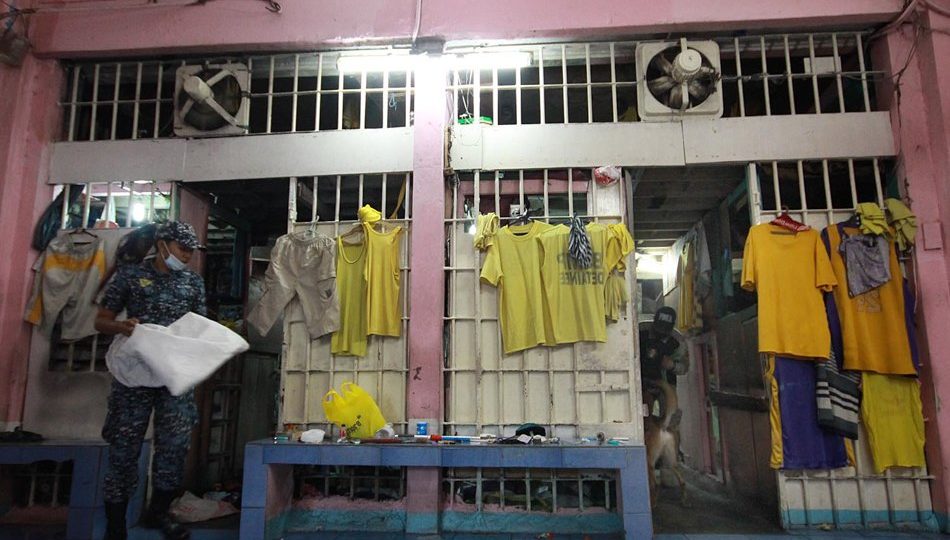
{"x": 115, "y": 520}
{"x": 157, "y": 516}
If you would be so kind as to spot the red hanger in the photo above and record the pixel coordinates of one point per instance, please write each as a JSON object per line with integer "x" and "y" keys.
{"x": 786, "y": 221}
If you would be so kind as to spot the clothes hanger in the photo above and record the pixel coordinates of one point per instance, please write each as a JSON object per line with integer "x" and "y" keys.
{"x": 522, "y": 216}
{"x": 85, "y": 232}
{"x": 355, "y": 229}
{"x": 852, "y": 222}
{"x": 786, "y": 221}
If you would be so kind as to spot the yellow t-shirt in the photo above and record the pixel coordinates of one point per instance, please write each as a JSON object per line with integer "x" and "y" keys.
{"x": 513, "y": 264}
{"x": 893, "y": 415}
{"x": 576, "y": 296}
{"x": 383, "y": 308}
{"x": 872, "y": 324}
{"x": 351, "y": 338}
{"x": 789, "y": 270}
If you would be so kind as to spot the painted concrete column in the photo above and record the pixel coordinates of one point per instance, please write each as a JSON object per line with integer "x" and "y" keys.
{"x": 426, "y": 283}
{"x": 919, "y": 104}
{"x": 29, "y": 121}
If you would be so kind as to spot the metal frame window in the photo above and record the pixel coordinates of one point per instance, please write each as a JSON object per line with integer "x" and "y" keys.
{"x": 819, "y": 192}
{"x": 103, "y": 206}
{"x": 290, "y": 93}
{"x": 529, "y": 490}
{"x": 368, "y": 483}
{"x": 329, "y": 205}
{"x": 42, "y": 483}
{"x": 762, "y": 75}
{"x": 572, "y": 389}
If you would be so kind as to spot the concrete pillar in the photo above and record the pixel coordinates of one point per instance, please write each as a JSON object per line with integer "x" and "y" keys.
{"x": 29, "y": 121}
{"x": 426, "y": 284}
{"x": 918, "y": 98}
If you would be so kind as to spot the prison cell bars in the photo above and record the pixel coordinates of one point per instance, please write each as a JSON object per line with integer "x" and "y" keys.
{"x": 298, "y": 187}
{"x": 156, "y": 76}
{"x": 77, "y": 349}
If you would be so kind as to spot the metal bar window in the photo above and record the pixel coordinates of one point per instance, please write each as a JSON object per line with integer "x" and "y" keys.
{"x": 97, "y": 210}
{"x": 322, "y": 482}
{"x": 819, "y": 192}
{"x": 480, "y": 380}
{"x": 43, "y": 484}
{"x": 529, "y": 490}
{"x": 761, "y": 75}
{"x": 328, "y": 205}
{"x": 298, "y": 92}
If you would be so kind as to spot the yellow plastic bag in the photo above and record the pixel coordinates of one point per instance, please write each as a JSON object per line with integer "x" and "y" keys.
{"x": 355, "y": 410}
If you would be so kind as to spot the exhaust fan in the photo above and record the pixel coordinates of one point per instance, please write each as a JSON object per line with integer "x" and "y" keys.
{"x": 678, "y": 80}
{"x": 211, "y": 100}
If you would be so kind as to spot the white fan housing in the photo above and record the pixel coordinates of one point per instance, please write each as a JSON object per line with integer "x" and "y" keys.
{"x": 688, "y": 59}
{"x": 211, "y": 89}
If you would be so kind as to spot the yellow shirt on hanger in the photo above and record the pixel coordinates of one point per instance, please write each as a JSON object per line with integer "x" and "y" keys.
{"x": 576, "y": 296}
{"x": 351, "y": 338}
{"x": 873, "y": 328}
{"x": 789, "y": 271}
{"x": 383, "y": 307}
{"x": 513, "y": 264}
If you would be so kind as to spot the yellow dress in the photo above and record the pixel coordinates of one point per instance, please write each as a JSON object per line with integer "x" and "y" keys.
{"x": 351, "y": 338}
{"x": 383, "y": 307}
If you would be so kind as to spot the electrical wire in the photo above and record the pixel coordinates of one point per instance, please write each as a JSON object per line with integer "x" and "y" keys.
{"x": 418, "y": 25}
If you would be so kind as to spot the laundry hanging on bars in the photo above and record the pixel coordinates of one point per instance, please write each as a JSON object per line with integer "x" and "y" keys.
{"x": 67, "y": 280}
{"x": 302, "y": 265}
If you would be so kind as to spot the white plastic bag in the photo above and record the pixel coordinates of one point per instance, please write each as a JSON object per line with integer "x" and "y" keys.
{"x": 127, "y": 368}
{"x": 186, "y": 352}
{"x": 191, "y": 509}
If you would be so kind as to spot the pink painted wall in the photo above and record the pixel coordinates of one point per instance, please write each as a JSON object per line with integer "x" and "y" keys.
{"x": 427, "y": 283}
{"x": 109, "y": 28}
{"x": 27, "y": 124}
{"x": 921, "y": 123}
{"x": 96, "y": 28}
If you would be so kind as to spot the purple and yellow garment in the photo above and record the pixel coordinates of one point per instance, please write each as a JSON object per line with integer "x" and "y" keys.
{"x": 797, "y": 440}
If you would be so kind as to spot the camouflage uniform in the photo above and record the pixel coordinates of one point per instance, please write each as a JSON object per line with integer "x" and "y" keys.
{"x": 159, "y": 298}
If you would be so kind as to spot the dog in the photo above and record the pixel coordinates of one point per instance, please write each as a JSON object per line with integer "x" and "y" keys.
{"x": 661, "y": 442}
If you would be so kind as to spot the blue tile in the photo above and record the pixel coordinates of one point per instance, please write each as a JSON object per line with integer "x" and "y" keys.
{"x": 254, "y": 492}
{"x": 360, "y": 455}
{"x": 295, "y": 453}
{"x": 422, "y": 522}
{"x": 470, "y": 456}
{"x": 411, "y": 456}
{"x": 523, "y": 456}
{"x": 252, "y": 522}
{"x": 637, "y": 525}
{"x": 634, "y": 491}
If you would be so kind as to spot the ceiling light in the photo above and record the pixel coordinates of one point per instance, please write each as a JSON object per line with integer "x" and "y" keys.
{"x": 377, "y": 62}
{"x": 488, "y": 60}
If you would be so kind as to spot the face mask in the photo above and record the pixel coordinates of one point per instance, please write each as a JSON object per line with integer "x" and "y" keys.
{"x": 172, "y": 262}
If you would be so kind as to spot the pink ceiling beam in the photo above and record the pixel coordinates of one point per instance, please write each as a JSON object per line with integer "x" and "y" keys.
{"x": 88, "y": 28}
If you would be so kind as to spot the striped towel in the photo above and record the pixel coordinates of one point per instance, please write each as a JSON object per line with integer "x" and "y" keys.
{"x": 578, "y": 245}
{"x": 839, "y": 398}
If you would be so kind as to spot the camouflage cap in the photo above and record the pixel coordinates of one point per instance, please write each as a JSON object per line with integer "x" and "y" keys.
{"x": 180, "y": 232}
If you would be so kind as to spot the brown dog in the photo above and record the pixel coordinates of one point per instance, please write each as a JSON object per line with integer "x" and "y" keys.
{"x": 661, "y": 443}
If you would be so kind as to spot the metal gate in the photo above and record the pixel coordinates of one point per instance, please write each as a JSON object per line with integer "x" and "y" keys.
{"x": 820, "y": 193}
{"x": 575, "y": 390}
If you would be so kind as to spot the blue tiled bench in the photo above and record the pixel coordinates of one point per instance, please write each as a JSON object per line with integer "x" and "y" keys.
{"x": 89, "y": 461}
{"x": 268, "y": 470}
